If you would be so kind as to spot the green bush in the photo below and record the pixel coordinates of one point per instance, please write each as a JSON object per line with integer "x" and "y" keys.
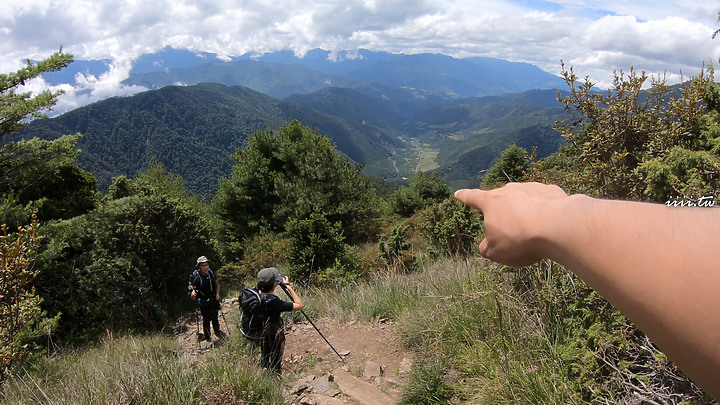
{"x": 43, "y": 176}
{"x": 643, "y": 142}
{"x": 258, "y": 252}
{"x": 422, "y": 192}
{"x": 346, "y": 269}
{"x": 396, "y": 253}
{"x": 317, "y": 251}
{"x": 451, "y": 227}
{"x": 512, "y": 166}
{"x": 289, "y": 174}
{"x": 123, "y": 266}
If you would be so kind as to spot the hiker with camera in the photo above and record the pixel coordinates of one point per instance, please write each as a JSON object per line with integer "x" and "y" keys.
{"x": 205, "y": 289}
{"x": 261, "y": 321}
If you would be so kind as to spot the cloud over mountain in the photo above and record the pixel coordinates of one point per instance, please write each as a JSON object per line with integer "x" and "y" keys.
{"x": 594, "y": 37}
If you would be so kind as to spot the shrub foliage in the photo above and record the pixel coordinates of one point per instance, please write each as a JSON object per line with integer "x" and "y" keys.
{"x": 644, "y": 145}
{"x": 289, "y": 175}
{"x": 19, "y": 304}
{"x": 123, "y": 266}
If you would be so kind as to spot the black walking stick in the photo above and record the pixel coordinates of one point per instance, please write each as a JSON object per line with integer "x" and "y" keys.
{"x": 282, "y": 285}
{"x": 197, "y": 323}
{"x": 224, "y": 320}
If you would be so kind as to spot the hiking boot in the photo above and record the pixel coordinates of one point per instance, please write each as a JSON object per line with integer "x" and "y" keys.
{"x": 220, "y": 334}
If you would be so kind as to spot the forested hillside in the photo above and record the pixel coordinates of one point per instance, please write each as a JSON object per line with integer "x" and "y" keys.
{"x": 395, "y": 114}
{"x": 193, "y": 130}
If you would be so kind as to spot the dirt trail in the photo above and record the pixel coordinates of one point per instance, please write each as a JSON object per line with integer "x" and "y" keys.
{"x": 371, "y": 352}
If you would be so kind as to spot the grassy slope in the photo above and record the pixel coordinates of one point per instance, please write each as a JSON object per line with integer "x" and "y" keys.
{"x": 144, "y": 370}
{"x": 465, "y": 318}
{"x": 449, "y": 309}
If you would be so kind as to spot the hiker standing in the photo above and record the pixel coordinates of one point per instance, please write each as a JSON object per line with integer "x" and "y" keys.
{"x": 206, "y": 290}
{"x": 272, "y": 344}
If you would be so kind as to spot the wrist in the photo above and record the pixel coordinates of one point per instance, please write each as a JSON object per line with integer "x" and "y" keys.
{"x": 563, "y": 220}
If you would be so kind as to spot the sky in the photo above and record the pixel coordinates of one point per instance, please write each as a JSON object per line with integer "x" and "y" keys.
{"x": 661, "y": 37}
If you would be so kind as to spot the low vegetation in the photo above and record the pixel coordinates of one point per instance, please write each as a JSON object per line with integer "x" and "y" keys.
{"x": 507, "y": 336}
{"x": 143, "y": 370}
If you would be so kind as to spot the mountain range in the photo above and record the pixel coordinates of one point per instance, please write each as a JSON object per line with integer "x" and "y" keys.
{"x": 393, "y": 113}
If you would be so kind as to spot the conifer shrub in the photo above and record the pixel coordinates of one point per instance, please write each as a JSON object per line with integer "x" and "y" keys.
{"x": 397, "y": 253}
{"x": 346, "y": 269}
{"x": 123, "y": 266}
{"x": 421, "y": 192}
{"x": 317, "y": 252}
{"x": 258, "y": 252}
{"x": 512, "y": 166}
{"x": 287, "y": 175}
{"x": 451, "y": 227}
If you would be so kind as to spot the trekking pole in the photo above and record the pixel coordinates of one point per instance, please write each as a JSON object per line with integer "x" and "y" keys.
{"x": 311, "y": 323}
{"x": 224, "y": 320}
{"x": 197, "y": 323}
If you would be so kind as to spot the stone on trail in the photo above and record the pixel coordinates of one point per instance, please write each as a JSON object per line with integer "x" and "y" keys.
{"x": 372, "y": 371}
{"x": 325, "y": 400}
{"x": 321, "y": 384}
{"x": 360, "y": 391}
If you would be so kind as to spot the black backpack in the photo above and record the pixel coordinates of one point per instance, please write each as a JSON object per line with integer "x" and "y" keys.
{"x": 202, "y": 300}
{"x": 254, "y": 317}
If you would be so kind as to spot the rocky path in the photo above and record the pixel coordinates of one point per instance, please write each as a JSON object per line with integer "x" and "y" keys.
{"x": 371, "y": 371}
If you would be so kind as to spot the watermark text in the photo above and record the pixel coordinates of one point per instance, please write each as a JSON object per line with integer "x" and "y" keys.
{"x": 706, "y": 202}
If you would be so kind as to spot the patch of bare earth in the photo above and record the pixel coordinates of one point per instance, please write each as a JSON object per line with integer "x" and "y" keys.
{"x": 370, "y": 369}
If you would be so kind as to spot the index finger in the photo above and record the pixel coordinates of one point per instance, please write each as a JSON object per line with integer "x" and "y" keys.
{"x": 471, "y": 197}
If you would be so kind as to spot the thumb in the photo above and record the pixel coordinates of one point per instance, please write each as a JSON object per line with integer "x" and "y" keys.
{"x": 483, "y": 247}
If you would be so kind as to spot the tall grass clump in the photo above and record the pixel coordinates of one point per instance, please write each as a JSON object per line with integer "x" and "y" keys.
{"x": 531, "y": 335}
{"x": 426, "y": 383}
{"x": 143, "y": 370}
{"x": 493, "y": 341}
{"x": 386, "y": 295}
{"x": 463, "y": 318}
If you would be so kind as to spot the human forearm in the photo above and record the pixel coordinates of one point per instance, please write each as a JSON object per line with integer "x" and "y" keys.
{"x": 658, "y": 265}
{"x": 297, "y": 301}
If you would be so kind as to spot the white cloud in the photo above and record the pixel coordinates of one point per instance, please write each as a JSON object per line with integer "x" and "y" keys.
{"x": 595, "y": 37}
{"x": 90, "y": 88}
{"x": 671, "y": 45}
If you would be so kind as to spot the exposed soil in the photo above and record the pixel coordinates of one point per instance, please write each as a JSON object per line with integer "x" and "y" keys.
{"x": 369, "y": 351}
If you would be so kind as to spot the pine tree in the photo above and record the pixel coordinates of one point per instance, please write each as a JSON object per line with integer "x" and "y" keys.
{"x": 16, "y": 107}
{"x": 20, "y": 306}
